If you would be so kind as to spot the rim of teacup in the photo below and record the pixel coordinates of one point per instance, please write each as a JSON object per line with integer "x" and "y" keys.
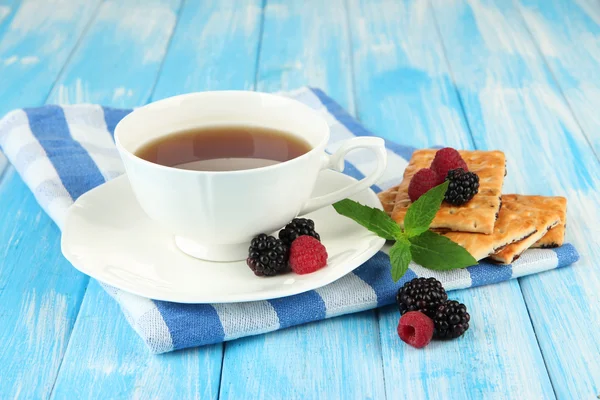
{"x": 319, "y": 147}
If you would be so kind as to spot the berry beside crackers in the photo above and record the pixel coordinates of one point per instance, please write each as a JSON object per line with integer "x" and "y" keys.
{"x": 475, "y": 213}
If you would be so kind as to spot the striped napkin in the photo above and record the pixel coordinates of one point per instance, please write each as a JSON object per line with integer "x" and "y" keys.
{"x": 62, "y": 152}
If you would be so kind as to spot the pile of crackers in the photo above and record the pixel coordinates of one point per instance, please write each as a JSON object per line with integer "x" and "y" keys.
{"x": 492, "y": 225}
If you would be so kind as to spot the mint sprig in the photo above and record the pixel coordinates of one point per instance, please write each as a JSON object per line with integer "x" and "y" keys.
{"x": 400, "y": 257}
{"x": 420, "y": 213}
{"x": 373, "y": 219}
{"x": 416, "y": 242}
{"x": 435, "y": 251}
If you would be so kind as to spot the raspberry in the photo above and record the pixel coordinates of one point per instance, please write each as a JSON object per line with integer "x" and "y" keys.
{"x": 307, "y": 255}
{"x": 424, "y": 180}
{"x": 416, "y": 329}
{"x": 446, "y": 159}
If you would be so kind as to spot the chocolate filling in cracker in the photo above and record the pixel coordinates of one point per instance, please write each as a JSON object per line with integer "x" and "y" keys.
{"x": 555, "y": 236}
{"x": 545, "y": 221}
{"x": 516, "y": 240}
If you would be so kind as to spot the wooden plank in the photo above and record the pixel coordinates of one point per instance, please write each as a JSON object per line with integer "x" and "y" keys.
{"x": 306, "y": 43}
{"x": 3, "y": 164}
{"x": 405, "y": 93}
{"x": 35, "y": 42}
{"x": 40, "y": 292}
{"x": 513, "y": 103}
{"x": 566, "y": 33}
{"x": 7, "y": 10}
{"x": 338, "y": 358}
{"x": 117, "y": 362}
{"x": 214, "y": 48}
{"x": 315, "y": 51}
{"x": 106, "y": 361}
{"x": 133, "y": 33}
{"x": 187, "y": 374}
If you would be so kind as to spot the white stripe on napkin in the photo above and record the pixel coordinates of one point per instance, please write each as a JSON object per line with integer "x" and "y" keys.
{"x": 243, "y": 319}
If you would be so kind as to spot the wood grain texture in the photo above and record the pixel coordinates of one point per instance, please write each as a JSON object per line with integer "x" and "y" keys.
{"x": 403, "y": 90}
{"x": 105, "y": 361}
{"x": 40, "y": 293}
{"x": 3, "y": 164}
{"x": 117, "y": 363}
{"x": 35, "y": 41}
{"x": 405, "y": 93}
{"x": 7, "y": 10}
{"x": 306, "y": 43}
{"x": 214, "y": 48}
{"x": 118, "y": 62}
{"x": 338, "y": 358}
{"x": 567, "y": 33}
{"x": 513, "y": 103}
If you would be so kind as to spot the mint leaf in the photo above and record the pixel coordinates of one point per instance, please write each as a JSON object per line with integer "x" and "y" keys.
{"x": 399, "y": 258}
{"x": 437, "y": 252}
{"x": 420, "y": 213}
{"x": 403, "y": 238}
{"x": 373, "y": 219}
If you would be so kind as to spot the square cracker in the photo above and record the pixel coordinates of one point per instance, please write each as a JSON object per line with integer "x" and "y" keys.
{"x": 544, "y": 220}
{"x": 479, "y": 214}
{"x": 555, "y": 236}
{"x": 388, "y": 199}
{"x": 515, "y": 222}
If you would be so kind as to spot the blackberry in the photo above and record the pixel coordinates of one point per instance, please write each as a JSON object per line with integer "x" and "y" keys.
{"x": 421, "y": 294}
{"x": 463, "y": 186}
{"x": 451, "y": 320}
{"x": 298, "y": 227}
{"x": 267, "y": 256}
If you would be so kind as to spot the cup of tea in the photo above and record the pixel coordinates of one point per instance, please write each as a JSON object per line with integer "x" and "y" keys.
{"x": 218, "y": 168}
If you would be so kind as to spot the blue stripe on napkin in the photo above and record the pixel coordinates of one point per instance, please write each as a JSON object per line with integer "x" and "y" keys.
{"x": 65, "y": 166}
{"x": 112, "y": 116}
{"x": 191, "y": 323}
{"x": 305, "y": 307}
{"x": 72, "y": 162}
{"x": 485, "y": 273}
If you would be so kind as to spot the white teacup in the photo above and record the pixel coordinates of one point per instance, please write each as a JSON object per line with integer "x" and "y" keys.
{"x": 215, "y": 214}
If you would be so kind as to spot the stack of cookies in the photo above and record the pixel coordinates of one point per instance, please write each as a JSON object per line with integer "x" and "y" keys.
{"x": 491, "y": 225}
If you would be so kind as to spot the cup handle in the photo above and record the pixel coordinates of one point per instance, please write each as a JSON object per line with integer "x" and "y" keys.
{"x": 336, "y": 162}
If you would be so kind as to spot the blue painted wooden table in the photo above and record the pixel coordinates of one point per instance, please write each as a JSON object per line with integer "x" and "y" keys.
{"x": 520, "y": 76}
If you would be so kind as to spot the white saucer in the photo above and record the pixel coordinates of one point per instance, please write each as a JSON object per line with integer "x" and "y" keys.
{"x": 107, "y": 236}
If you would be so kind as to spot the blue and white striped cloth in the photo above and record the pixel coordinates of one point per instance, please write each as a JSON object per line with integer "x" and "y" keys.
{"x": 62, "y": 152}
